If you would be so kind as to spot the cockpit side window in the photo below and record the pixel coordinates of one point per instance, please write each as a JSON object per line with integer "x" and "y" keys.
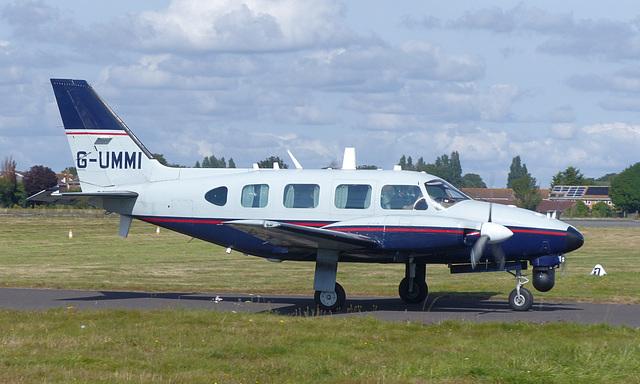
{"x": 444, "y": 193}
{"x": 402, "y": 197}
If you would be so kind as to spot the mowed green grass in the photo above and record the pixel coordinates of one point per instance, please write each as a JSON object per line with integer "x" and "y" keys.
{"x": 180, "y": 346}
{"x": 212, "y": 347}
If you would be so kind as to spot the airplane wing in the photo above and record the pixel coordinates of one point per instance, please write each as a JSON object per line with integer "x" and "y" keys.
{"x": 291, "y": 235}
{"x": 72, "y": 198}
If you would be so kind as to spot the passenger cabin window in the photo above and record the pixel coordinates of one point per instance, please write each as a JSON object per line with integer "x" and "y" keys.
{"x": 301, "y": 195}
{"x": 217, "y": 196}
{"x": 444, "y": 193}
{"x": 402, "y": 197}
{"x": 255, "y": 196}
{"x": 353, "y": 196}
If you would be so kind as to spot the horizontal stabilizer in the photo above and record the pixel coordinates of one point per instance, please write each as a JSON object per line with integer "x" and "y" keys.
{"x": 72, "y": 198}
{"x": 298, "y": 236}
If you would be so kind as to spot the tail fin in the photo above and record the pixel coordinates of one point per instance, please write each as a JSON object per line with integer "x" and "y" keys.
{"x": 106, "y": 152}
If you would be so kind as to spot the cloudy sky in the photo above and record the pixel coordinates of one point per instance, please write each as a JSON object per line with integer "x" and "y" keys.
{"x": 556, "y": 82}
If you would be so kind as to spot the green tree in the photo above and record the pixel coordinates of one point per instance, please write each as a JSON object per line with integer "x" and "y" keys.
{"x": 160, "y": 158}
{"x": 371, "y": 167}
{"x": 580, "y": 209}
{"x": 232, "y": 164}
{"x": 516, "y": 171}
{"x": 605, "y": 180}
{"x": 625, "y": 189}
{"x": 268, "y": 162}
{"x": 421, "y": 166}
{"x": 403, "y": 162}
{"x": 526, "y": 192}
{"x": 410, "y": 166}
{"x": 601, "y": 209}
{"x": 570, "y": 176}
{"x": 473, "y": 180}
{"x": 12, "y": 194}
{"x": 447, "y": 168}
{"x": 213, "y": 162}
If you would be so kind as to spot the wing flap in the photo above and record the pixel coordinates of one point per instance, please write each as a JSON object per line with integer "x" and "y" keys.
{"x": 297, "y": 236}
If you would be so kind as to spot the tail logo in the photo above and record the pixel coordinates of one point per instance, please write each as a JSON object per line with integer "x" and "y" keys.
{"x": 110, "y": 160}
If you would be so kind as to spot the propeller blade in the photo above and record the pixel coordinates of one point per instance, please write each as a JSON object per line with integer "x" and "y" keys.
{"x": 476, "y": 251}
{"x": 498, "y": 255}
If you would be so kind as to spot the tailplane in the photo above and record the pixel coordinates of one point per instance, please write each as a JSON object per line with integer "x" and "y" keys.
{"x": 106, "y": 153}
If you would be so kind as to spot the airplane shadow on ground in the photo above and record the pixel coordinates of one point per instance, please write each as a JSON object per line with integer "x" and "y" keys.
{"x": 437, "y": 302}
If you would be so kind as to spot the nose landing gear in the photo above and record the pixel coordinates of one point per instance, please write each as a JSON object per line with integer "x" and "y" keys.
{"x": 520, "y": 299}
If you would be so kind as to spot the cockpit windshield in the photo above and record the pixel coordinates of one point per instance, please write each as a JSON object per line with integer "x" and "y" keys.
{"x": 444, "y": 193}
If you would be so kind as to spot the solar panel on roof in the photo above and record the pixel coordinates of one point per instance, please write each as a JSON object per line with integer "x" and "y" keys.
{"x": 576, "y": 191}
{"x": 597, "y": 191}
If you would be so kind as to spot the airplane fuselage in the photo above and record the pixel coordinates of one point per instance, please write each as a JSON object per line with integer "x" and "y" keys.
{"x": 435, "y": 234}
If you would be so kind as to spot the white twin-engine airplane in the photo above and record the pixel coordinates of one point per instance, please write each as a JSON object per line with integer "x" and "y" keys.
{"x": 322, "y": 216}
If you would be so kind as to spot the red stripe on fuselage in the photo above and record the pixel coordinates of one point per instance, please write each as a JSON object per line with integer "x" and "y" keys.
{"x": 192, "y": 221}
{"x": 387, "y": 229}
{"x": 97, "y": 133}
{"x": 539, "y": 232}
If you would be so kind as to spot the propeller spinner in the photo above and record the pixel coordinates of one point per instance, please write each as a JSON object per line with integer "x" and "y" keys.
{"x": 492, "y": 234}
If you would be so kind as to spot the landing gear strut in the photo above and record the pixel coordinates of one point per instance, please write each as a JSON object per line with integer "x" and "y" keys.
{"x": 413, "y": 288}
{"x": 520, "y": 299}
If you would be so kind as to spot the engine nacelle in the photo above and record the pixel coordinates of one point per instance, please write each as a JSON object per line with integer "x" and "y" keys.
{"x": 544, "y": 278}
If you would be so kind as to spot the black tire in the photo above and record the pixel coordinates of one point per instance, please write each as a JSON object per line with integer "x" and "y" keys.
{"x": 418, "y": 294}
{"x": 522, "y": 302}
{"x": 330, "y": 301}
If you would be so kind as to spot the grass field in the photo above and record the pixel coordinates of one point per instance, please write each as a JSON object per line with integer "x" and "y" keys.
{"x": 177, "y": 346}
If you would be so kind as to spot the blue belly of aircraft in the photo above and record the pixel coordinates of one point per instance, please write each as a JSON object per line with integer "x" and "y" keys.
{"x": 444, "y": 244}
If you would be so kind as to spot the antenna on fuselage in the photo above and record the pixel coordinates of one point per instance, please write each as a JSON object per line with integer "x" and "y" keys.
{"x": 295, "y": 161}
{"x": 349, "y": 159}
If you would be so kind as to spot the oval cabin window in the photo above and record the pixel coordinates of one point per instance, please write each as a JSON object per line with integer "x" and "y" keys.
{"x": 217, "y": 196}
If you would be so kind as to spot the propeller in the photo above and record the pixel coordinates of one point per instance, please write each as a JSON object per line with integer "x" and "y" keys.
{"x": 492, "y": 234}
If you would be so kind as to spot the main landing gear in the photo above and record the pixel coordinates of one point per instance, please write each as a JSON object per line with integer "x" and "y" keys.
{"x": 520, "y": 299}
{"x": 413, "y": 288}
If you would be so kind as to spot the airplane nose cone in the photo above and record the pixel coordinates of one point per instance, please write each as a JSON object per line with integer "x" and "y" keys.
{"x": 574, "y": 239}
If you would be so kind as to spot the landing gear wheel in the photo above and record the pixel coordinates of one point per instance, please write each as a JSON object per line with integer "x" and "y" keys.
{"x": 418, "y": 292}
{"x": 330, "y": 301}
{"x": 521, "y": 301}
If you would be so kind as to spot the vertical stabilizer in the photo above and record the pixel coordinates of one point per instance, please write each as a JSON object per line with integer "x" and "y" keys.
{"x": 106, "y": 153}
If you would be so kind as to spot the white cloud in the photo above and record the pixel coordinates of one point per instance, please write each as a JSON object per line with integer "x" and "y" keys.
{"x": 248, "y": 26}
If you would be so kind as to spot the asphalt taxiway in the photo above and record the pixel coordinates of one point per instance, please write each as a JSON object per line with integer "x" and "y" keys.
{"x": 435, "y": 309}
